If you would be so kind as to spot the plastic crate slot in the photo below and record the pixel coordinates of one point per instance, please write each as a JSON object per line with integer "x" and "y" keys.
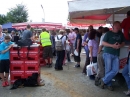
{"x": 17, "y": 68}
{"x": 16, "y": 58}
{"x": 16, "y": 48}
{"x": 30, "y": 58}
{"x": 17, "y": 77}
{"x": 31, "y": 68}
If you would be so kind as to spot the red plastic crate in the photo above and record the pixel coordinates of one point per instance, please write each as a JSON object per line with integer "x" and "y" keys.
{"x": 33, "y": 58}
{"x": 17, "y": 67}
{"x": 31, "y": 67}
{"x": 32, "y": 50}
{"x": 42, "y": 62}
{"x": 29, "y": 73}
{"x": 15, "y": 50}
{"x": 41, "y": 56}
{"x": 15, "y": 57}
{"x": 19, "y": 62}
{"x": 16, "y": 75}
{"x": 32, "y": 62}
{"x": 41, "y": 48}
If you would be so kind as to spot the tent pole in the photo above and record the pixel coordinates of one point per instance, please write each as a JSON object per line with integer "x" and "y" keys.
{"x": 113, "y": 16}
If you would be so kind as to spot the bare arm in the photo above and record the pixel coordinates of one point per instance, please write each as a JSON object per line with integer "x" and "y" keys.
{"x": 100, "y": 49}
{"x": 91, "y": 53}
{"x": 115, "y": 46}
{"x": 4, "y": 51}
{"x": 107, "y": 44}
{"x": 78, "y": 44}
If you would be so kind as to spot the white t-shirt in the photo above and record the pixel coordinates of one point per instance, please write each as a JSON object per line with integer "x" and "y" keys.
{"x": 101, "y": 40}
{"x": 63, "y": 39}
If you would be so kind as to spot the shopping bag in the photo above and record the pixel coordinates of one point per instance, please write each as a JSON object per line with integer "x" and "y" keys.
{"x": 91, "y": 69}
{"x": 67, "y": 47}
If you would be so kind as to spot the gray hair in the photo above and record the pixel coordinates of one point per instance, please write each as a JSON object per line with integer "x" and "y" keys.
{"x": 61, "y": 31}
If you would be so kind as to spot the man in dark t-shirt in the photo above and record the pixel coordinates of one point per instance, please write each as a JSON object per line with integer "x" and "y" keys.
{"x": 113, "y": 41}
{"x": 27, "y": 34}
{"x": 78, "y": 46}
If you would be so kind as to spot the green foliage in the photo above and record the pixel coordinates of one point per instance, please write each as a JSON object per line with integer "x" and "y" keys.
{"x": 3, "y": 19}
{"x": 18, "y": 14}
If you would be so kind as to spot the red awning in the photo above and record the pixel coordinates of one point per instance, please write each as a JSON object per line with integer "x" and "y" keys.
{"x": 95, "y": 17}
{"x": 83, "y": 25}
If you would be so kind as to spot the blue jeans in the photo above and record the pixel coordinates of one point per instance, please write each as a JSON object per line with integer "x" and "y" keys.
{"x": 68, "y": 56}
{"x": 59, "y": 59}
{"x": 126, "y": 75}
{"x": 87, "y": 51}
{"x": 129, "y": 66}
{"x": 111, "y": 67}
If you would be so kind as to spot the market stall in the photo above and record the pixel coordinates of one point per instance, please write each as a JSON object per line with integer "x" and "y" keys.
{"x": 89, "y": 11}
{"x": 46, "y": 25}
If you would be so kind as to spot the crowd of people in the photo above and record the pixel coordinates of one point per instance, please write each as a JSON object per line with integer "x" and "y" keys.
{"x": 101, "y": 46}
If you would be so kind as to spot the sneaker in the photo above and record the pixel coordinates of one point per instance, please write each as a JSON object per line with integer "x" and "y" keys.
{"x": 7, "y": 84}
{"x": 77, "y": 66}
{"x": 102, "y": 84}
{"x": 92, "y": 77}
{"x": 97, "y": 81}
{"x": 41, "y": 84}
{"x": 127, "y": 93}
{"x": 4, "y": 84}
{"x": 110, "y": 88}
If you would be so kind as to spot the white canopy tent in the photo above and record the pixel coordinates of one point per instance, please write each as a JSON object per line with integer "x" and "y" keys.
{"x": 97, "y": 11}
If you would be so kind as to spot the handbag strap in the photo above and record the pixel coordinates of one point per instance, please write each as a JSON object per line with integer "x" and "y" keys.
{"x": 18, "y": 48}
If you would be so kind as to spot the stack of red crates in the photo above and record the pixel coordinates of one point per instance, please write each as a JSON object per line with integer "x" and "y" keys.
{"x": 23, "y": 66}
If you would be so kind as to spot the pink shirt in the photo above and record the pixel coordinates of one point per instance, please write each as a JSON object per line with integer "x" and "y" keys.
{"x": 72, "y": 37}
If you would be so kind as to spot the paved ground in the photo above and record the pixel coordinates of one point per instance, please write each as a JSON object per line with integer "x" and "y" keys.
{"x": 67, "y": 83}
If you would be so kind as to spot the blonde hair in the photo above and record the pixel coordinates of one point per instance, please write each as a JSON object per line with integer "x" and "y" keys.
{"x": 62, "y": 32}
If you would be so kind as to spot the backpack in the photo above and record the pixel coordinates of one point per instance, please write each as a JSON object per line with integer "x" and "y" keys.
{"x": 58, "y": 44}
{"x": 21, "y": 43}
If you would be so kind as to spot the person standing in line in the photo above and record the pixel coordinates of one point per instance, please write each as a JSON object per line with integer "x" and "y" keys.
{"x": 126, "y": 28}
{"x": 4, "y": 60}
{"x": 65, "y": 57}
{"x": 47, "y": 45}
{"x": 99, "y": 32}
{"x": 60, "y": 45}
{"x": 93, "y": 49}
{"x": 78, "y": 47}
{"x": 2, "y": 36}
{"x": 100, "y": 61}
{"x": 71, "y": 38}
{"x": 112, "y": 42}
{"x": 126, "y": 75}
{"x": 53, "y": 43}
{"x": 85, "y": 43}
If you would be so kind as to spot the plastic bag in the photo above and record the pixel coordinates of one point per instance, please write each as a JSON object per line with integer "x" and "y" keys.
{"x": 91, "y": 69}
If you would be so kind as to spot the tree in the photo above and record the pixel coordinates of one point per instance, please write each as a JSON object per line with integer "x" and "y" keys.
{"x": 18, "y": 14}
{"x": 3, "y": 19}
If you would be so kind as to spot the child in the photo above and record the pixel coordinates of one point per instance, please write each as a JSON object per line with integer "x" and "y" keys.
{"x": 4, "y": 60}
